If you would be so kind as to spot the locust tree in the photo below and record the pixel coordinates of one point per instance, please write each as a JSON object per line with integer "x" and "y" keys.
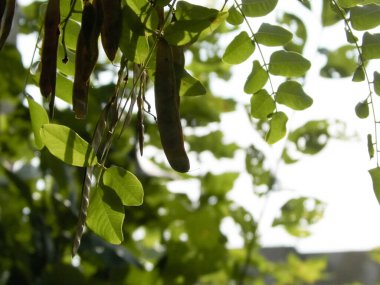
{"x": 116, "y": 103}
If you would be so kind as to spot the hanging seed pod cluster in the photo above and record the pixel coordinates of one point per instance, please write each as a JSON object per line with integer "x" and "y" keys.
{"x": 135, "y": 29}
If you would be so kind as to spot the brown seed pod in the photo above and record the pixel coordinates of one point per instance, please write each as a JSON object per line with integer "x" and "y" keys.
{"x": 167, "y": 107}
{"x": 2, "y": 10}
{"x": 49, "y": 51}
{"x": 10, "y": 11}
{"x": 86, "y": 56}
{"x": 111, "y": 26}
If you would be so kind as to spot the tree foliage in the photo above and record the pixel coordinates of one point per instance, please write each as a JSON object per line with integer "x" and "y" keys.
{"x": 104, "y": 153}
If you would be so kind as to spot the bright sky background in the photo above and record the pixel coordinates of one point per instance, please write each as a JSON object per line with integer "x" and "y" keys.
{"x": 338, "y": 175}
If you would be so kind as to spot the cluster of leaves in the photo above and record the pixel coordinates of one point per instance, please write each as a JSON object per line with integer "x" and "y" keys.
{"x": 168, "y": 239}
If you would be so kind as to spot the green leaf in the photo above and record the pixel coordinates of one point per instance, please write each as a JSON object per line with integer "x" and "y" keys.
{"x": 142, "y": 16}
{"x": 297, "y": 214}
{"x": 125, "y": 184}
{"x": 299, "y": 29}
{"x": 277, "y": 127}
{"x": 289, "y": 64}
{"x": 234, "y": 16}
{"x": 340, "y": 63}
{"x": 362, "y": 110}
{"x": 239, "y": 49}
{"x": 63, "y": 84}
{"x": 330, "y": 14}
{"x": 375, "y": 176}
{"x": 133, "y": 43}
{"x": 351, "y": 38}
{"x": 365, "y": 17}
{"x": 71, "y": 34}
{"x": 38, "y": 117}
{"x": 272, "y": 35}
{"x": 258, "y": 8}
{"x": 220, "y": 149}
{"x": 349, "y": 3}
{"x": 262, "y": 105}
{"x": 376, "y": 82}
{"x": 188, "y": 11}
{"x": 310, "y": 138}
{"x": 371, "y": 149}
{"x": 219, "y": 184}
{"x": 191, "y": 86}
{"x": 371, "y": 46}
{"x": 359, "y": 74}
{"x": 256, "y": 79}
{"x": 68, "y": 146}
{"x": 291, "y": 94}
{"x": 189, "y": 31}
{"x": 106, "y": 215}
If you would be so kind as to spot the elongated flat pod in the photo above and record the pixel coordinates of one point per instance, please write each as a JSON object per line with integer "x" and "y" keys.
{"x": 102, "y": 133}
{"x": 49, "y": 51}
{"x": 167, "y": 107}
{"x": 86, "y": 56}
{"x": 2, "y": 10}
{"x": 10, "y": 11}
{"x": 111, "y": 26}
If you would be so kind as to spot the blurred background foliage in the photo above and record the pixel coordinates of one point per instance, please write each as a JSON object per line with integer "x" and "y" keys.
{"x": 173, "y": 238}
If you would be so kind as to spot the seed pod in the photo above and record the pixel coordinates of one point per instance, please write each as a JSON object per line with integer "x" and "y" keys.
{"x": 111, "y": 26}
{"x": 2, "y": 10}
{"x": 10, "y": 11}
{"x": 167, "y": 106}
{"x": 49, "y": 51}
{"x": 86, "y": 56}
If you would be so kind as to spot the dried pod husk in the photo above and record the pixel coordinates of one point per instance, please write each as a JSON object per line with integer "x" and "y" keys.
{"x": 167, "y": 107}
{"x": 9, "y": 13}
{"x": 111, "y": 26}
{"x": 86, "y": 56}
{"x": 49, "y": 50}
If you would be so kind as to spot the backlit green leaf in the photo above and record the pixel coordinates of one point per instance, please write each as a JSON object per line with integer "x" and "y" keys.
{"x": 63, "y": 85}
{"x": 188, "y": 11}
{"x": 362, "y": 110}
{"x": 340, "y": 63}
{"x": 106, "y": 215}
{"x": 289, "y": 64}
{"x": 189, "y": 31}
{"x": 371, "y": 149}
{"x": 277, "y": 127}
{"x": 125, "y": 184}
{"x": 376, "y": 82}
{"x": 38, "y": 117}
{"x": 359, "y": 74}
{"x": 258, "y": 8}
{"x": 262, "y": 105}
{"x": 272, "y": 35}
{"x": 375, "y": 176}
{"x": 371, "y": 46}
{"x": 330, "y": 13}
{"x": 291, "y": 94}
{"x": 191, "y": 86}
{"x": 239, "y": 49}
{"x": 298, "y": 28}
{"x": 365, "y": 17}
{"x": 256, "y": 79}
{"x": 349, "y": 3}
{"x": 234, "y": 16}
{"x": 68, "y": 146}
